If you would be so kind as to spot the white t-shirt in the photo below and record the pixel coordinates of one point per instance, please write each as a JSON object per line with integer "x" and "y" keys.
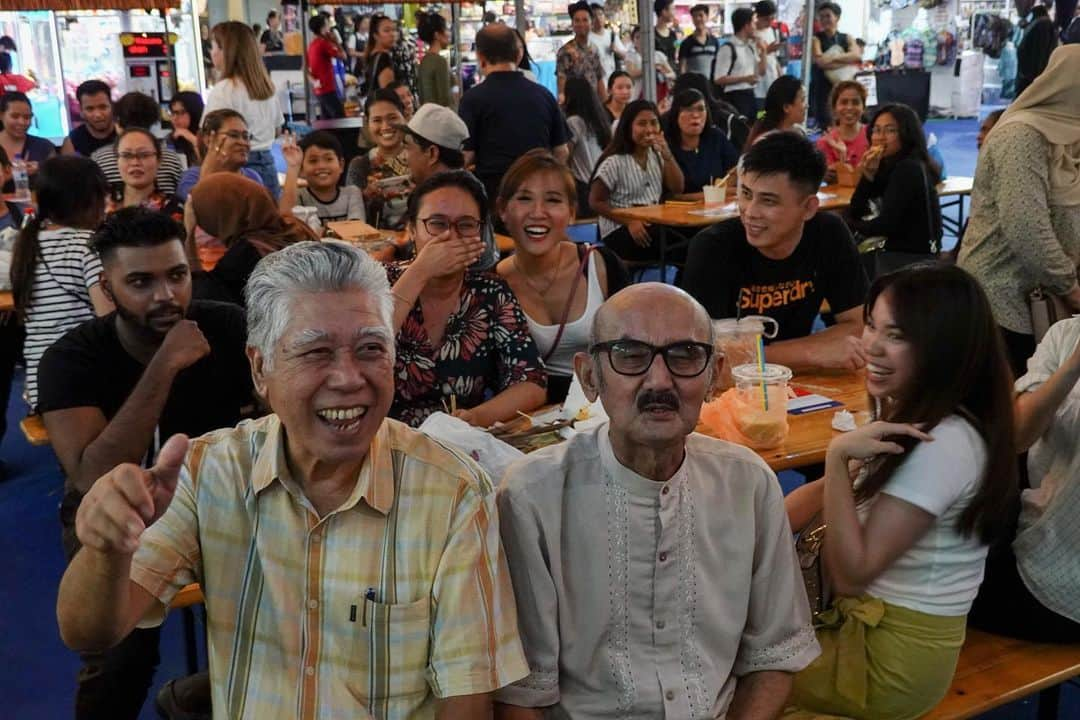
{"x": 586, "y": 149}
{"x": 263, "y": 117}
{"x": 607, "y": 47}
{"x": 1048, "y": 539}
{"x": 633, "y": 65}
{"x": 348, "y": 204}
{"x": 745, "y": 62}
{"x": 941, "y": 573}
{"x": 772, "y": 65}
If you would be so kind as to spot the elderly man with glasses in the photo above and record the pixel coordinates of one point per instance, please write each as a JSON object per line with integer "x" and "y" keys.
{"x": 653, "y": 568}
{"x": 351, "y": 566}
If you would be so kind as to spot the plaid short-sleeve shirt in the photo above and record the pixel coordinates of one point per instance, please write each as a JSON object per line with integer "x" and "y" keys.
{"x": 398, "y": 597}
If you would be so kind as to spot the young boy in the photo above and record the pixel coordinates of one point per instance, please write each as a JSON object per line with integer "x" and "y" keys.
{"x": 320, "y": 159}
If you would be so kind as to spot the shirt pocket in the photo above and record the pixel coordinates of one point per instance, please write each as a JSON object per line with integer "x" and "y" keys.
{"x": 393, "y": 646}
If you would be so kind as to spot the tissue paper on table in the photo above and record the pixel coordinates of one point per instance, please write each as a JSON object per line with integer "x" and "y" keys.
{"x": 488, "y": 451}
{"x": 576, "y": 405}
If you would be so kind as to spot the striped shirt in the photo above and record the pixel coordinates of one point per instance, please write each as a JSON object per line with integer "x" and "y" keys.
{"x": 66, "y": 269}
{"x": 348, "y": 204}
{"x": 628, "y": 185}
{"x": 398, "y": 597}
{"x": 170, "y": 168}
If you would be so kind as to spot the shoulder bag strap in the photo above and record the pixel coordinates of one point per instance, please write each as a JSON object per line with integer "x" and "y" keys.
{"x": 569, "y": 301}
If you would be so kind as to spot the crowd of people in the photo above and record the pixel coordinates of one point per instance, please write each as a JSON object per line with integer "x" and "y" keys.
{"x": 233, "y": 398}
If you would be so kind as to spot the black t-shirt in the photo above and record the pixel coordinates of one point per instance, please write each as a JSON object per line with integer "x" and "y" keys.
{"x": 732, "y": 279}
{"x": 85, "y": 143}
{"x": 88, "y": 367}
{"x": 666, "y": 45}
{"x": 508, "y": 115}
{"x": 699, "y": 55}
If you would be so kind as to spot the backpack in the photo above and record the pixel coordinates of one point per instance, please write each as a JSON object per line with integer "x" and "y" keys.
{"x": 712, "y": 70}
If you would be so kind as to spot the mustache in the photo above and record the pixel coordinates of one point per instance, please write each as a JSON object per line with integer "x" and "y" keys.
{"x": 663, "y": 398}
{"x": 166, "y": 309}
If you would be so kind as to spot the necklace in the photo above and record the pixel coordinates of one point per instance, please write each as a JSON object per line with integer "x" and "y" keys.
{"x": 550, "y": 281}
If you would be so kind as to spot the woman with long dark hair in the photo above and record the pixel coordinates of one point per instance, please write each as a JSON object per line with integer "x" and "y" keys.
{"x": 912, "y": 500}
{"x": 245, "y": 87}
{"x": 54, "y": 272}
{"x": 620, "y": 90}
{"x": 635, "y": 169}
{"x": 377, "y": 58}
{"x": 590, "y": 134}
{"x": 382, "y": 174}
{"x": 785, "y": 108}
{"x": 433, "y": 76}
{"x": 186, "y": 112}
{"x": 896, "y": 198}
{"x": 702, "y": 151}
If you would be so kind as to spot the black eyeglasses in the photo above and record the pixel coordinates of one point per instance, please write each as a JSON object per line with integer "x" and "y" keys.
{"x": 632, "y": 357}
{"x": 439, "y": 224}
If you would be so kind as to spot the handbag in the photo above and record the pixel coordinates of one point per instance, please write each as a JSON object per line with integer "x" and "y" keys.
{"x": 878, "y": 261}
{"x": 1046, "y": 309}
{"x": 808, "y": 551}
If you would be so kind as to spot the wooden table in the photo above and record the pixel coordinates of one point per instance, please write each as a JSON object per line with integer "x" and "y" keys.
{"x": 684, "y": 214}
{"x": 7, "y": 301}
{"x": 809, "y": 435}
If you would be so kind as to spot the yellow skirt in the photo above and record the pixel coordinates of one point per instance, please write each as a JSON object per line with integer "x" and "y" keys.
{"x": 878, "y": 661}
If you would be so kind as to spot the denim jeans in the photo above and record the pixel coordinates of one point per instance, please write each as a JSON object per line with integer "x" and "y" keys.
{"x": 262, "y": 162}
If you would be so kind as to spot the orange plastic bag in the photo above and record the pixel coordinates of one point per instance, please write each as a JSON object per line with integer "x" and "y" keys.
{"x": 730, "y": 418}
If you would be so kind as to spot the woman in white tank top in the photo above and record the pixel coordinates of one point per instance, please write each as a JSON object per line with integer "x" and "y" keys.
{"x": 559, "y": 284}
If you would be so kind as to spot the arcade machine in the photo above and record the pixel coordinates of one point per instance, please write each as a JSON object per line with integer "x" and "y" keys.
{"x": 149, "y": 64}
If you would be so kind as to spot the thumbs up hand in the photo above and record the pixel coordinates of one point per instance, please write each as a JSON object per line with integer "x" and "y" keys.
{"x": 128, "y": 499}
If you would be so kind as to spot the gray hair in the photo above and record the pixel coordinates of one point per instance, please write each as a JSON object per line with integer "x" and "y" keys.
{"x": 308, "y": 267}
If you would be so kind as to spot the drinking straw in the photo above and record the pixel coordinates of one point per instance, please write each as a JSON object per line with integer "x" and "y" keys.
{"x": 761, "y": 367}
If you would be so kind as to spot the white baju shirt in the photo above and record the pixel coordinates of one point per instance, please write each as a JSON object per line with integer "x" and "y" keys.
{"x": 1048, "y": 540}
{"x": 639, "y": 599}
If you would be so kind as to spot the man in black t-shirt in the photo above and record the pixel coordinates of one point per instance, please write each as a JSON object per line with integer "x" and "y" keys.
{"x": 507, "y": 114}
{"x": 98, "y": 127}
{"x": 781, "y": 258}
{"x": 114, "y": 388}
{"x": 697, "y": 52}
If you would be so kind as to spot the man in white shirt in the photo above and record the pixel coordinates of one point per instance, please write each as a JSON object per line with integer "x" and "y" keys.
{"x": 653, "y": 568}
{"x": 769, "y": 42}
{"x": 740, "y": 63}
{"x": 606, "y": 41}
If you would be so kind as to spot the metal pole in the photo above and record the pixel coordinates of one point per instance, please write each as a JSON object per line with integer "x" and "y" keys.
{"x": 647, "y": 23}
{"x": 807, "y": 53}
{"x": 455, "y": 50}
{"x": 309, "y": 106}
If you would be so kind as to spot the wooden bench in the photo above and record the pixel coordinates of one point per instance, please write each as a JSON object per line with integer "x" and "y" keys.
{"x": 994, "y": 671}
{"x": 33, "y": 429}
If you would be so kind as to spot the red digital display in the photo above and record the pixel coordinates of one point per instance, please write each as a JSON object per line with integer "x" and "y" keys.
{"x": 144, "y": 45}
{"x": 139, "y": 71}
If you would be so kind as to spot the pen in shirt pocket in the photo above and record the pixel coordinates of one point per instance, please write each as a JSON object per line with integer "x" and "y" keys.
{"x": 369, "y": 596}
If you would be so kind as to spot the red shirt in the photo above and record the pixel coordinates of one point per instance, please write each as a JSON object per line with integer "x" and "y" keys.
{"x": 12, "y": 82}
{"x": 320, "y": 57}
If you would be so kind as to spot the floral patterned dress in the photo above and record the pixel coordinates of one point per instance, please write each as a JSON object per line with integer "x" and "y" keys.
{"x": 486, "y": 349}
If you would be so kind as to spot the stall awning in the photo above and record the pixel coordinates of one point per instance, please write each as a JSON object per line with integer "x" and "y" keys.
{"x": 69, "y": 5}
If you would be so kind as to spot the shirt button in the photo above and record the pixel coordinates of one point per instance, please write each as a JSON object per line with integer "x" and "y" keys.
{"x": 313, "y": 604}
{"x": 670, "y": 694}
{"x": 663, "y": 557}
{"x": 309, "y": 671}
{"x": 660, "y": 624}
{"x": 665, "y": 490}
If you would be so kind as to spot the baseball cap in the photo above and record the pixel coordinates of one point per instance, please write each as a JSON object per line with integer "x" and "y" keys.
{"x": 438, "y": 125}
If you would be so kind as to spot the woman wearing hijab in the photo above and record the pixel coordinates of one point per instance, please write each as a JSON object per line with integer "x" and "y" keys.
{"x": 241, "y": 214}
{"x": 1024, "y": 231}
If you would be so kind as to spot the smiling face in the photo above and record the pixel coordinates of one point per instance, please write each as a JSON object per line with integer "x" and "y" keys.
{"x": 235, "y": 144}
{"x": 137, "y": 159}
{"x": 645, "y": 128}
{"x": 331, "y": 378}
{"x": 538, "y": 213}
{"x": 773, "y": 211}
{"x": 886, "y": 134}
{"x": 699, "y": 19}
{"x": 656, "y": 409}
{"x": 692, "y": 119}
{"x": 382, "y": 125}
{"x": 96, "y": 111}
{"x": 849, "y": 108}
{"x": 890, "y": 366}
{"x": 17, "y": 118}
{"x": 322, "y": 168}
{"x": 151, "y": 287}
{"x": 582, "y": 23}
